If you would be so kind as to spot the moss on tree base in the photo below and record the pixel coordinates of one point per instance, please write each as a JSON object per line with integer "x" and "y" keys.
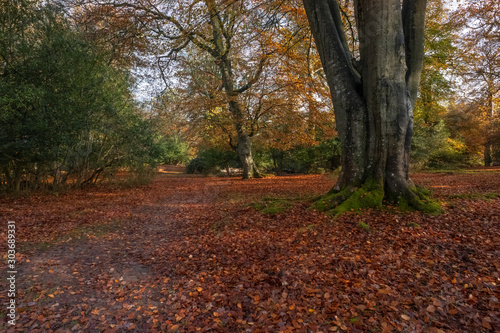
{"x": 371, "y": 195}
{"x": 419, "y": 199}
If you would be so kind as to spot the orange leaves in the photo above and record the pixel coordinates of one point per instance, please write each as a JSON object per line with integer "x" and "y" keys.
{"x": 180, "y": 316}
{"x": 260, "y": 272}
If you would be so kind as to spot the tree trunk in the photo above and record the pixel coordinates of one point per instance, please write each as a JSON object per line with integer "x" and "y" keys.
{"x": 373, "y": 104}
{"x": 244, "y": 150}
{"x": 244, "y": 146}
{"x": 487, "y": 154}
{"x": 488, "y": 159}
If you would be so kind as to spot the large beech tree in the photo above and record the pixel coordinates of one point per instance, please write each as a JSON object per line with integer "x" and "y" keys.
{"x": 374, "y": 93}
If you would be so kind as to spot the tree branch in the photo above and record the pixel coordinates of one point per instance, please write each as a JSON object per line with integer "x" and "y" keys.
{"x": 154, "y": 13}
{"x": 414, "y": 30}
{"x": 341, "y": 76}
{"x": 254, "y": 78}
{"x": 336, "y": 15}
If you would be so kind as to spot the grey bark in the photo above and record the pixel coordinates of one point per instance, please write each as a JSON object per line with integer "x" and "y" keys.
{"x": 220, "y": 51}
{"x": 488, "y": 147}
{"x": 373, "y": 109}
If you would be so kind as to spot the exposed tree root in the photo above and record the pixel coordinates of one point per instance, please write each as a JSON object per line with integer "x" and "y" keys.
{"x": 371, "y": 195}
{"x": 418, "y": 199}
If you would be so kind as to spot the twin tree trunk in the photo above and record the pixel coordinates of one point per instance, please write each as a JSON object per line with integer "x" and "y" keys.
{"x": 244, "y": 146}
{"x": 373, "y": 99}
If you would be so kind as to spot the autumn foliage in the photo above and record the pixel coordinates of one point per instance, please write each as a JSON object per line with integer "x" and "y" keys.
{"x": 188, "y": 254}
{"x": 242, "y": 81}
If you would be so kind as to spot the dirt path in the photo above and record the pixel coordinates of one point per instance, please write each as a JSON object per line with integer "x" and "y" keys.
{"x": 81, "y": 277}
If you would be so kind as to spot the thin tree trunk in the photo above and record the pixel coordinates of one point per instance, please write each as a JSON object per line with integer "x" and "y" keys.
{"x": 488, "y": 159}
{"x": 487, "y": 154}
{"x": 244, "y": 146}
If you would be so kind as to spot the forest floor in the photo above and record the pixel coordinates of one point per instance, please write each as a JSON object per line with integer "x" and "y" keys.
{"x": 196, "y": 254}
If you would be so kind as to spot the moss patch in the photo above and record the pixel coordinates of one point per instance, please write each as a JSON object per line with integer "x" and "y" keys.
{"x": 419, "y": 199}
{"x": 364, "y": 226}
{"x": 475, "y": 196}
{"x": 370, "y": 195}
{"x": 308, "y": 229}
{"x": 272, "y": 205}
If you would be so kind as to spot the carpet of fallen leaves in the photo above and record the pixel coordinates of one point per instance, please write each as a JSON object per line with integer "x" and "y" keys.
{"x": 191, "y": 254}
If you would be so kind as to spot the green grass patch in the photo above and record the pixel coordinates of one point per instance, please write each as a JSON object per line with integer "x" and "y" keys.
{"x": 475, "y": 196}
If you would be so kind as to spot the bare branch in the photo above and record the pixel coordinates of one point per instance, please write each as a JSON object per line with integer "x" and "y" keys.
{"x": 254, "y": 78}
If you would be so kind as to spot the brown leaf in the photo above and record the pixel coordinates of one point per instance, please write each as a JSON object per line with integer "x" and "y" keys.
{"x": 486, "y": 324}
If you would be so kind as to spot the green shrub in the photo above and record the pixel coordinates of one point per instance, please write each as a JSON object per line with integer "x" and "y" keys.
{"x": 198, "y": 165}
{"x": 452, "y": 155}
{"x": 320, "y": 158}
{"x": 66, "y": 115}
{"x": 427, "y": 140}
{"x": 213, "y": 160}
{"x": 176, "y": 150}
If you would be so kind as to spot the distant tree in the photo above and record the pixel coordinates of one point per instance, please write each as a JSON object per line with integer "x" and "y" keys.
{"x": 436, "y": 93}
{"x": 440, "y": 51}
{"x": 479, "y": 43}
{"x": 465, "y": 124}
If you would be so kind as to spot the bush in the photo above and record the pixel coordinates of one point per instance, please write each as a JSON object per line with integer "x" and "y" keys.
{"x": 212, "y": 161}
{"x": 452, "y": 156}
{"x": 65, "y": 114}
{"x": 427, "y": 140}
{"x": 176, "y": 150}
{"x": 320, "y": 158}
{"x": 197, "y": 165}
